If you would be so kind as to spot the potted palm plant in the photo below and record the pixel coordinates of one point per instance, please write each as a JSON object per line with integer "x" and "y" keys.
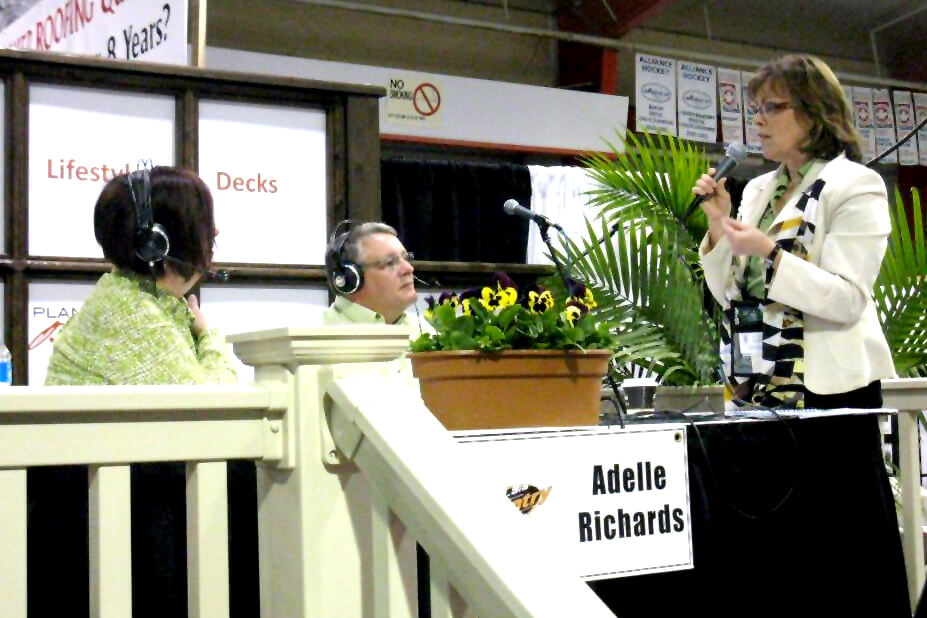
{"x": 499, "y": 358}
{"x": 647, "y": 280}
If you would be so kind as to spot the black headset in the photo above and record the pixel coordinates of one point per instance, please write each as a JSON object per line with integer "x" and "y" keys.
{"x": 151, "y": 241}
{"x": 344, "y": 276}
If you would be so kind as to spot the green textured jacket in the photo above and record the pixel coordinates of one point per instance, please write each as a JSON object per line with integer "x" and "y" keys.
{"x": 130, "y": 332}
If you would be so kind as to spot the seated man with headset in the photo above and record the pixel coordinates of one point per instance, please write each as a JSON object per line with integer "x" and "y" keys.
{"x": 371, "y": 272}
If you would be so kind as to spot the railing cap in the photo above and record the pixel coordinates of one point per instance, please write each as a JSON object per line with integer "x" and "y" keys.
{"x": 322, "y": 345}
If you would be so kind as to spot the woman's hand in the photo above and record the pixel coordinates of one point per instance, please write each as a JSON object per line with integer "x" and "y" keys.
{"x": 716, "y": 203}
{"x": 746, "y": 239}
{"x": 199, "y": 320}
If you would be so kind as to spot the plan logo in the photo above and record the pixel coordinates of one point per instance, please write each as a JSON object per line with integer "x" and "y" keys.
{"x": 527, "y": 497}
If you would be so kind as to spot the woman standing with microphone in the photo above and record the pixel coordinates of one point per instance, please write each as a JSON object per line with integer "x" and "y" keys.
{"x": 794, "y": 271}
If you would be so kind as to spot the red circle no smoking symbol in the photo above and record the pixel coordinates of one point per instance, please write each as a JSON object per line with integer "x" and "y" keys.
{"x": 426, "y": 99}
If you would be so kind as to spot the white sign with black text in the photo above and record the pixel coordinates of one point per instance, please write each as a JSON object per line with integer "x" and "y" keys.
{"x": 656, "y": 94}
{"x": 697, "y": 101}
{"x": 617, "y": 500}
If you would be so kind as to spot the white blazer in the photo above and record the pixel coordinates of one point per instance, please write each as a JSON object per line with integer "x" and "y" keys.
{"x": 845, "y": 348}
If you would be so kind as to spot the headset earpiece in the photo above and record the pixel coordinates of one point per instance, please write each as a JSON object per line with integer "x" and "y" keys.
{"x": 344, "y": 276}
{"x": 151, "y": 241}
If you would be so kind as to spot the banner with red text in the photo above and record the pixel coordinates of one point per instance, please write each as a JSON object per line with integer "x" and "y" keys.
{"x": 119, "y": 29}
{"x": 80, "y": 138}
{"x": 266, "y": 168}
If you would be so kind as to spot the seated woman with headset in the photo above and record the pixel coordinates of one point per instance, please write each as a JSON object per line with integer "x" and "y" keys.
{"x": 158, "y": 231}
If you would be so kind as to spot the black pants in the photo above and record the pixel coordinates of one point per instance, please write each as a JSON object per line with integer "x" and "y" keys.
{"x": 866, "y": 397}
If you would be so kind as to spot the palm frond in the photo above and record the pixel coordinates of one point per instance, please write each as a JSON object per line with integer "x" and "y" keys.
{"x": 647, "y": 294}
{"x": 900, "y": 293}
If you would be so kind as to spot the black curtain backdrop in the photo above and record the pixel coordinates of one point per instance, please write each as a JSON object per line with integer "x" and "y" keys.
{"x": 832, "y": 549}
{"x": 452, "y": 211}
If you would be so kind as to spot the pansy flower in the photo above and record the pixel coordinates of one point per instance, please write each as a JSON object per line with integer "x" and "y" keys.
{"x": 466, "y": 297}
{"x": 538, "y": 300}
{"x": 582, "y": 294}
{"x": 502, "y": 294}
{"x": 571, "y": 314}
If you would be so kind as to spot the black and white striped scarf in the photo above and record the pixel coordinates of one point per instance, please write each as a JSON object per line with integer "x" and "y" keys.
{"x": 780, "y": 379}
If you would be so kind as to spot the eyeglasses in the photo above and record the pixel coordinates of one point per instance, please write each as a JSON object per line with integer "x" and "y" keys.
{"x": 391, "y": 262}
{"x": 771, "y": 108}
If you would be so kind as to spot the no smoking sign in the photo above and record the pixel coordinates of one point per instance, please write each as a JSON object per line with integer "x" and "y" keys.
{"x": 413, "y": 103}
{"x": 426, "y": 99}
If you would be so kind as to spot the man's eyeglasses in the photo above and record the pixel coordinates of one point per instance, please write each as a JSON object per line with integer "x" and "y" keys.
{"x": 771, "y": 108}
{"x": 391, "y": 262}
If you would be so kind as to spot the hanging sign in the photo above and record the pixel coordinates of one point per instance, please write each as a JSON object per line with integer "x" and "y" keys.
{"x": 697, "y": 102}
{"x": 862, "y": 106}
{"x": 904, "y": 113}
{"x": 884, "y": 123}
{"x": 656, "y": 94}
{"x": 751, "y": 131}
{"x": 920, "y": 113}
{"x": 732, "y": 114}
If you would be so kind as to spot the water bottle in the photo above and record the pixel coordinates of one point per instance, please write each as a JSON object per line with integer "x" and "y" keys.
{"x": 6, "y": 366}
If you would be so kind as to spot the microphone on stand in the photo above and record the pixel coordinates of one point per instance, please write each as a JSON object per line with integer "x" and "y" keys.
{"x": 512, "y": 207}
{"x": 735, "y": 154}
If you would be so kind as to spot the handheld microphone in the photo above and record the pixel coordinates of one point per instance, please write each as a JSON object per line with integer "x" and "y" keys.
{"x": 735, "y": 154}
{"x": 512, "y": 207}
{"x": 214, "y": 275}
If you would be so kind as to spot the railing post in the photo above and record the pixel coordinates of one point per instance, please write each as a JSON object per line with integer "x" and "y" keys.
{"x": 207, "y": 537}
{"x": 110, "y": 514}
{"x": 13, "y": 543}
{"x": 314, "y": 514}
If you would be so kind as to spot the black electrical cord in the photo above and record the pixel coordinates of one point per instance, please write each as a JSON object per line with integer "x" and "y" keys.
{"x": 743, "y": 512}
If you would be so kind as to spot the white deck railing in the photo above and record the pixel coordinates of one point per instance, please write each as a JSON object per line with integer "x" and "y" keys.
{"x": 107, "y": 428}
{"x": 352, "y": 471}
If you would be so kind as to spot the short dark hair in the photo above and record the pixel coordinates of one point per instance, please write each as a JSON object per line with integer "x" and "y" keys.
{"x": 814, "y": 90}
{"x": 180, "y": 202}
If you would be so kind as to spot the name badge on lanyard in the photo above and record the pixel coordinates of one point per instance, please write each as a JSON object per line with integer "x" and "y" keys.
{"x": 746, "y": 319}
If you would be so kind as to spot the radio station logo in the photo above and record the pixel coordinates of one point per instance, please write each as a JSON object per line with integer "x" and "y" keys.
{"x": 658, "y": 93}
{"x": 527, "y": 497}
{"x": 697, "y": 99}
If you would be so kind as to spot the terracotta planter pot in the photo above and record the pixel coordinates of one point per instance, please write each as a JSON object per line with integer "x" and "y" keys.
{"x": 512, "y": 388}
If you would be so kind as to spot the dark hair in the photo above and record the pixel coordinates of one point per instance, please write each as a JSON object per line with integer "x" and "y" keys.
{"x": 180, "y": 203}
{"x": 814, "y": 90}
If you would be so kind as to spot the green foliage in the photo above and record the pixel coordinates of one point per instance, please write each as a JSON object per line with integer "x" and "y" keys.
{"x": 647, "y": 281}
{"x": 900, "y": 292}
{"x": 493, "y": 320}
